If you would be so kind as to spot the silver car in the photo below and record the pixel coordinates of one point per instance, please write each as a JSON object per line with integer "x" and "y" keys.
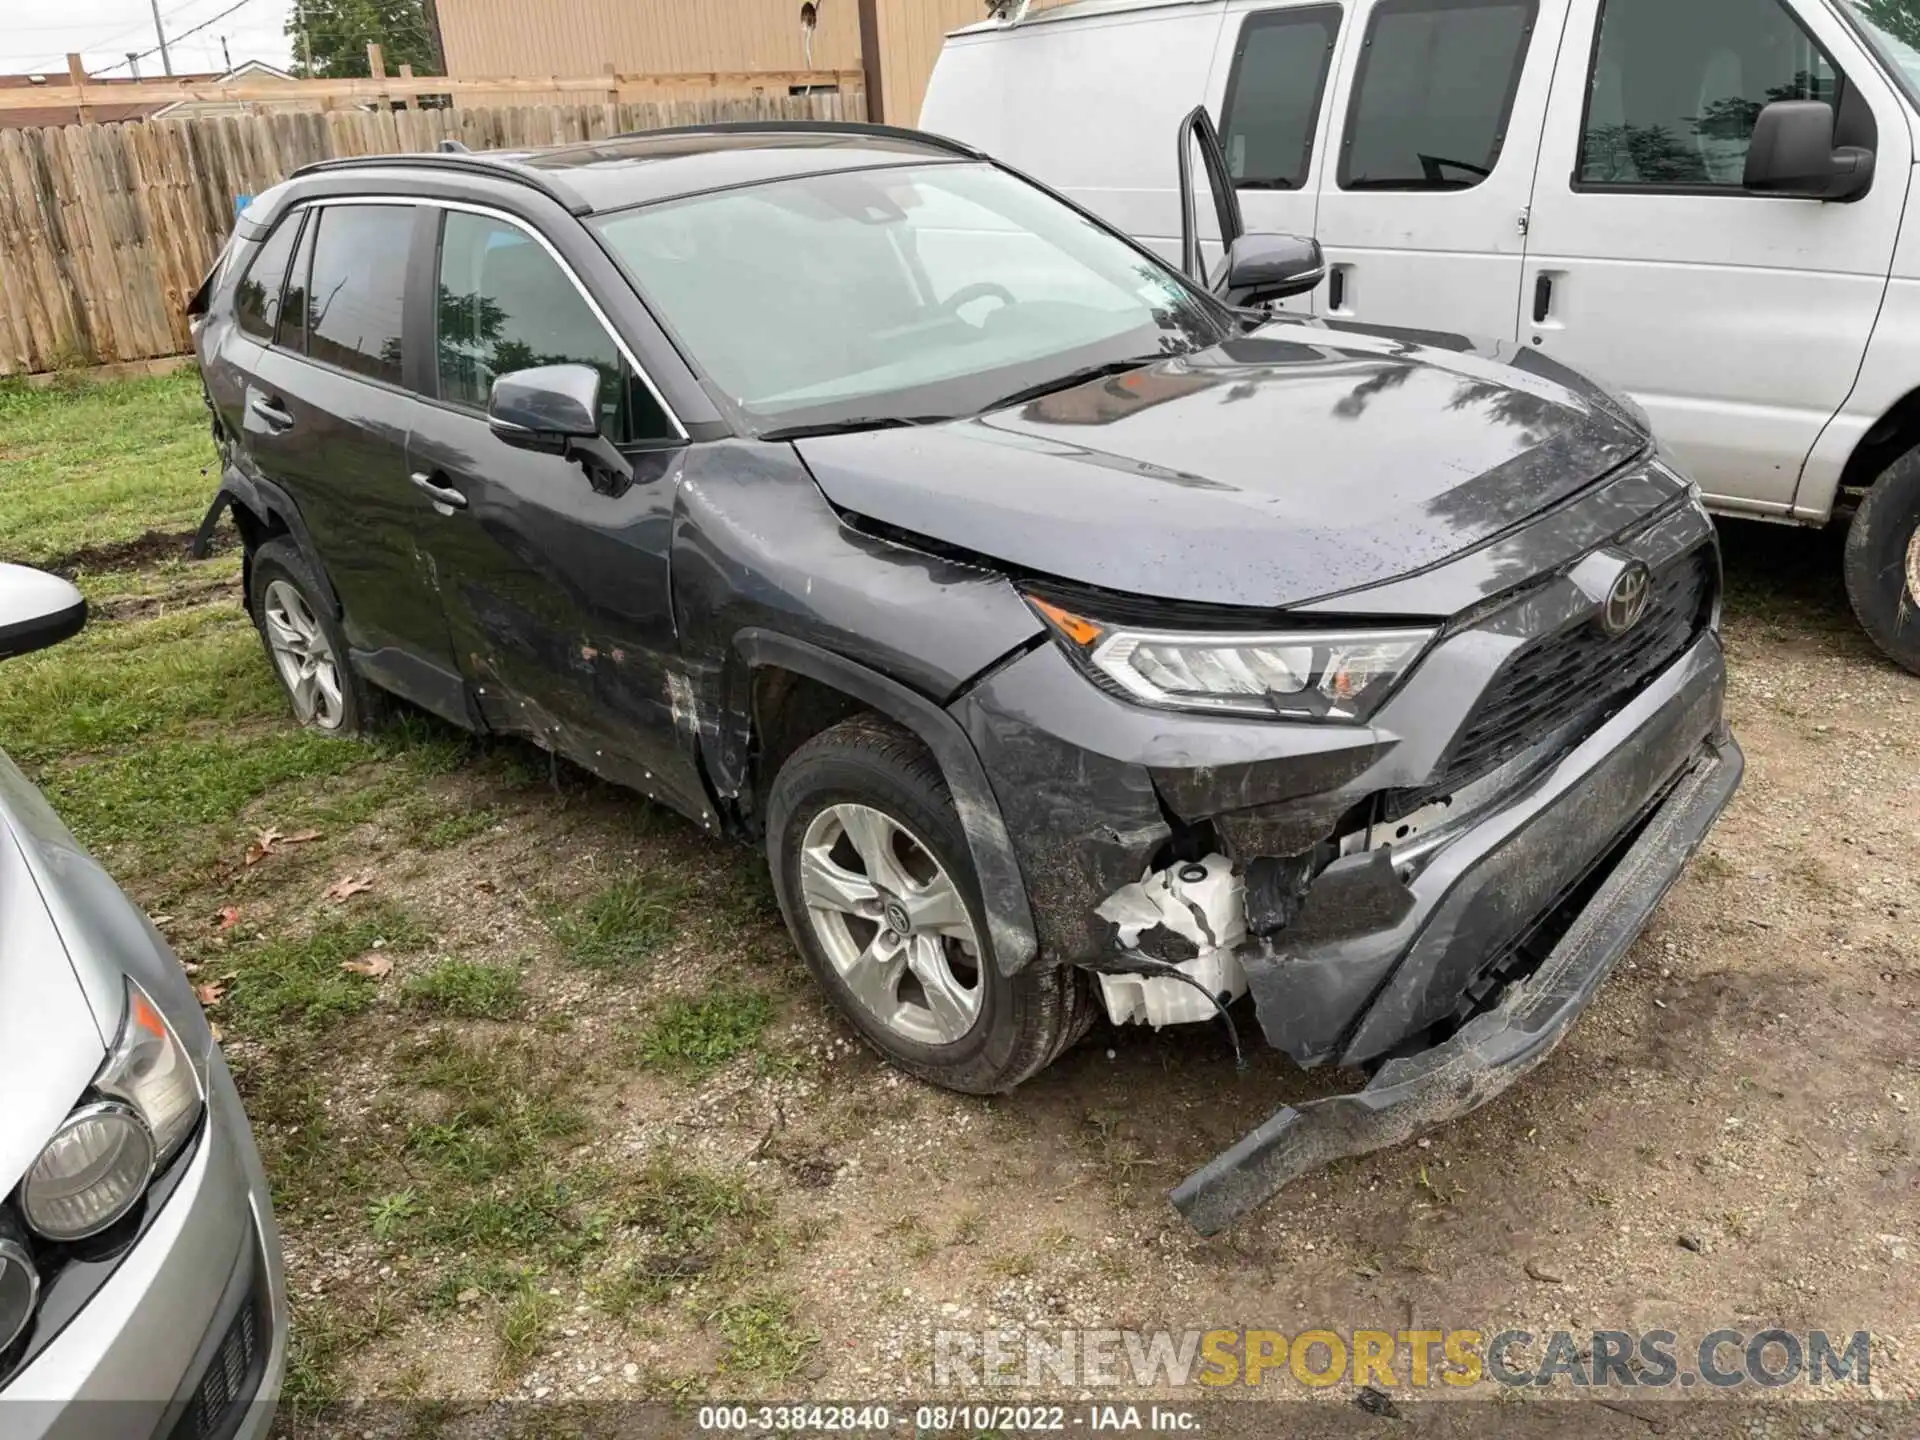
{"x": 141, "y": 1291}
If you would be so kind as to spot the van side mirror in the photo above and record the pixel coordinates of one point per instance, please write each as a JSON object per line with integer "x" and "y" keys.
{"x": 1260, "y": 268}
{"x": 37, "y": 610}
{"x": 1793, "y": 154}
{"x": 555, "y": 410}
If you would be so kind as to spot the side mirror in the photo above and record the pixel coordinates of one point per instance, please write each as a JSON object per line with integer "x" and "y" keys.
{"x": 1260, "y": 268}
{"x": 1196, "y": 129}
{"x": 37, "y": 610}
{"x": 555, "y": 410}
{"x": 1793, "y": 154}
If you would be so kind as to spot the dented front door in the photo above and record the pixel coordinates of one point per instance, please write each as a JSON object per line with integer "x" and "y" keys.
{"x": 557, "y": 598}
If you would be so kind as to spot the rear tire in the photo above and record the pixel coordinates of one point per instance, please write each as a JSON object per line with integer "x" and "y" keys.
{"x": 866, "y": 797}
{"x": 1883, "y": 561}
{"x": 305, "y": 644}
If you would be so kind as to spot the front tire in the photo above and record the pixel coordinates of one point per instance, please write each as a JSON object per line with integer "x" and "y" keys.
{"x": 876, "y": 881}
{"x": 1883, "y": 561}
{"x": 305, "y": 644}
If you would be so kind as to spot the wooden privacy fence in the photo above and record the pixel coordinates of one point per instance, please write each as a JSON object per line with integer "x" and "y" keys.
{"x": 107, "y": 230}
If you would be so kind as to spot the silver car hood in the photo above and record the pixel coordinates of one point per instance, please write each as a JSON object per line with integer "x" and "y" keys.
{"x": 50, "y": 1043}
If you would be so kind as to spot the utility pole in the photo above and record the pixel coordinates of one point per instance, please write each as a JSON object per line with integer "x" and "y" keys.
{"x": 166, "y": 60}
{"x": 226, "y": 55}
{"x": 133, "y": 63}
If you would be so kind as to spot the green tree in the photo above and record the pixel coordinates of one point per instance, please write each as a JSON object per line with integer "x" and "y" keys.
{"x": 330, "y": 37}
{"x": 1899, "y": 18}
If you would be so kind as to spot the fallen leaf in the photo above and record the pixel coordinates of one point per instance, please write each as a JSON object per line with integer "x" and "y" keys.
{"x": 209, "y": 991}
{"x": 269, "y": 840}
{"x": 347, "y": 886}
{"x": 229, "y": 917}
{"x": 371, "y": 965}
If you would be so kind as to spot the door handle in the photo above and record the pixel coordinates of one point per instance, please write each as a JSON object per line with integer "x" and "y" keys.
{"x": 1337, "y": 287}
{"x": 441, "y": 494}
{"x": 275, "y": 415}
{"x": 1542, "y": 297}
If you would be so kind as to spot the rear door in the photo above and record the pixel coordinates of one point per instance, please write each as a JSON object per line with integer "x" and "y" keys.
{"x": 1739, "y": 321}
{"x": 1424, "y": 194}
{"x": 557, "y": 595}
{"x": 327, "y": 418}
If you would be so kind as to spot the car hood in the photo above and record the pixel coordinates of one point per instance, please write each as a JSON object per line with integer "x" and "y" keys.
{"x": 50, "y": 1045}
{"x": 1288, "y": 464}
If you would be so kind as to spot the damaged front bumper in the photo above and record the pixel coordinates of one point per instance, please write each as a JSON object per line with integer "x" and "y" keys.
{"x": 1494, "y": 1049}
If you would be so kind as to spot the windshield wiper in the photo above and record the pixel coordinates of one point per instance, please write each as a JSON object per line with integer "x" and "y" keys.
{"x": 850, "y": 426}
{"x": 1070, "y": 379}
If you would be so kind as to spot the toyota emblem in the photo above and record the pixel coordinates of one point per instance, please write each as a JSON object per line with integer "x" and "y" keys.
{"x": 1627, "y": 600}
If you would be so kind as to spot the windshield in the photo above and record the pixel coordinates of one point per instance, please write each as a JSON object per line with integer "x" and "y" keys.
{"x": 915, "y": 292}
{"x": 1892, "y": 27}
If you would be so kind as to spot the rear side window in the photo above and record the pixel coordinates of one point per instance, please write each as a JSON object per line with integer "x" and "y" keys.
{"x": 1273, "y": 95}
{"x": 293, "y": 308}
{"x": 356, "y": 287}
{"x": 1433, "y": 92}
{"x": 505, "y": 304}
{"x": 256, "y": 300}
{"x": 1675, "y": 89}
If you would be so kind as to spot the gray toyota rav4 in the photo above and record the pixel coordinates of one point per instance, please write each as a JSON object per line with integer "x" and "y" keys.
{"x": 1075, "y": 635}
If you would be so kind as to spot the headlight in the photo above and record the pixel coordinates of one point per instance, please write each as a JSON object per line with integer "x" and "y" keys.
{"x": 98, "y": 1163}
{"x": 1289, "y": 675}
{"x": 150, "y": 1069}
{"x": 90, "y": 1174}
{"x": 19, "y": 1282}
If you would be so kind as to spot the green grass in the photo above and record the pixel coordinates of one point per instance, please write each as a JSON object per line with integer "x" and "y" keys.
{"x": 623, "y": 924}
{"x": 101, "y": 464}
{"x": 465, "y": 990}
{"x": 287, "y": 984}
{"x": 702, "y": 1033}
{"x": 763, "y": 1336}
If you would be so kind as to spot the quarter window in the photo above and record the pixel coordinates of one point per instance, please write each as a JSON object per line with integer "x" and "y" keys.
{"x": 1433, "y": 93}
{"x": 293, "y": 308}
{"x": 256, "y": 302}
{"x": 1273, "y": 95}
{"x": 505, "y": 304}
{"x": 1675, "y": 89}
{"x": 356, "y": 288}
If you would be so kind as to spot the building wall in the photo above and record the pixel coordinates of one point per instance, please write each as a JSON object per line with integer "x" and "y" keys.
{"x": 911, "y": 32}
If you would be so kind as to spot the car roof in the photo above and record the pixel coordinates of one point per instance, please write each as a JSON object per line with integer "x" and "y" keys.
{"x": 638, "y": 169}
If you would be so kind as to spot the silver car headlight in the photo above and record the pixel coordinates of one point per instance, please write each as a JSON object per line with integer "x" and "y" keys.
{"x": 1339, "y": 675}
{"x": 99, "y": 1162}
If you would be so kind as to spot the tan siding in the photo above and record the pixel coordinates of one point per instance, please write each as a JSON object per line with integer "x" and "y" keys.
{"x": 579, "y": 37}
{"x": 911, "y": 33}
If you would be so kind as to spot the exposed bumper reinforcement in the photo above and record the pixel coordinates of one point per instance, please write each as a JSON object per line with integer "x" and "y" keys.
{"x": 1491, "y": 1051}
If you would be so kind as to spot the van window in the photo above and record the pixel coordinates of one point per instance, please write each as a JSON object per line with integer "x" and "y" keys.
{"x": 256, "y": 301}
{"x": 1675, "y": 89}
{"x": 354, "y": 292}
{"x": 505, "y": 304}
{"x": 1433, "y": 92}
{"x": 1273, "y": 95}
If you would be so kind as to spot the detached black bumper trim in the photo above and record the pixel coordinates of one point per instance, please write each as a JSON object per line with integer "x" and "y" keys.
{"x": 1491, "y": 1051}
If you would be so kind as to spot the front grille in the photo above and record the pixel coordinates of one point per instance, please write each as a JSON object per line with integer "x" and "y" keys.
{"x": 231, "y": 1379}
{"x": 1580, "y": 673}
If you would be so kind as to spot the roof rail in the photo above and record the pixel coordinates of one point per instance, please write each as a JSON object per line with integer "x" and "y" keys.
{"x": 493, "y": 165}
{"x": 811, "y": 127}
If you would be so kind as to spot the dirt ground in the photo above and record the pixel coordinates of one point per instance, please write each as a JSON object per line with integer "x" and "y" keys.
{"x": 553, "y": 1111}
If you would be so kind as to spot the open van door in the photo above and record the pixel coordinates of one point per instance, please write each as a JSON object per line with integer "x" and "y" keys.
{"x": 1253, "y": 269}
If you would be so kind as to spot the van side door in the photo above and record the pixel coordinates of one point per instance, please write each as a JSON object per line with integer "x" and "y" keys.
{"x": 557, "y": 592}
{"x": 1423, "y": 199}
{"x": 1276, "y": 66}
{"x": 1739, "y": 321}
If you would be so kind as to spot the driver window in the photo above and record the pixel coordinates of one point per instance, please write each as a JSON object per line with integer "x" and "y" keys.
{"x": 505, "y": 304}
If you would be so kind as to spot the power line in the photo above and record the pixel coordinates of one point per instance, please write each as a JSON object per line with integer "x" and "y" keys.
{"x": 114, "y": 38}
{"x": 175, "y": 40}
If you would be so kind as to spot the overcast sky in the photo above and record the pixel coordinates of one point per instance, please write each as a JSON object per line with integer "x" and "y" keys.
{"x": 38, "y": 36}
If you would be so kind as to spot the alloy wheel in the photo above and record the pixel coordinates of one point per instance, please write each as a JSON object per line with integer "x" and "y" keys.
{"x": 892, "y": 922}
{"x": 305, "y": 657}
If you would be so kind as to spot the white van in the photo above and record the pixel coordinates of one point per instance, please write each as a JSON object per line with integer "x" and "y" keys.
{"x": 1637, "y": 187}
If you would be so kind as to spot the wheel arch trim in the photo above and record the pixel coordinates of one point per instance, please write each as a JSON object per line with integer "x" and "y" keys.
{"x": 268, "y": 504}
{"x": 1003, "y": 893}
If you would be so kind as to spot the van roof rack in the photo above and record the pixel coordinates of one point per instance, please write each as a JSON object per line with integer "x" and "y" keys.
{"x": 1026, "y": 12}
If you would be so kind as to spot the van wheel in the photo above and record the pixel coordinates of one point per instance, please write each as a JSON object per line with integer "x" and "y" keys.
{"x": 876, "y": 882}
{"x": 305, "y": 643}
{"x": 1883, "y": 561}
